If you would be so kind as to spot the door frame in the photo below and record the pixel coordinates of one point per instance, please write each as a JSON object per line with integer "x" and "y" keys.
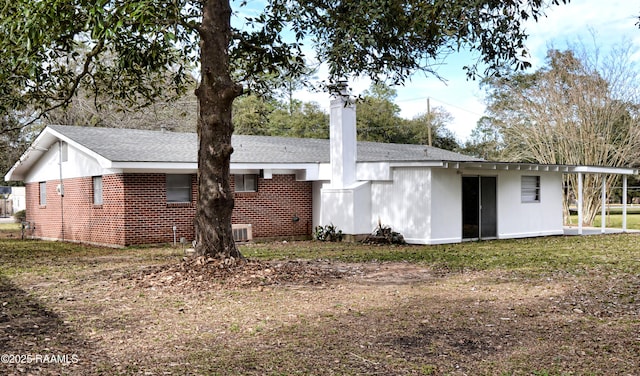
{"x": 479, "y": 193}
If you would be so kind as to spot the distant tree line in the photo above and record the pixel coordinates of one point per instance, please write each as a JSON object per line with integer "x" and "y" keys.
{"x": 378, "y": 119}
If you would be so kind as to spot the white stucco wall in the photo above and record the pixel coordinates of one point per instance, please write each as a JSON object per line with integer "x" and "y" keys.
{"x": 517, "y": 219}
{"x": 317, "y": 203}
{"x": 446, "y": 209}
{"x": 425, "y": 204}
{"x": 404, "y": 203}
{"x": 347, "y": 208}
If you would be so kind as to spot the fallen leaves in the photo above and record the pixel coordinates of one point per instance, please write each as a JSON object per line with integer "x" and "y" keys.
{"x": 209, "y": 273}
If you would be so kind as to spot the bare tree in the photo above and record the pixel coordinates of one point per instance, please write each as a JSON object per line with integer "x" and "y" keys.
{"x": 580, "y": 109}
{"x": 175, "y": 112}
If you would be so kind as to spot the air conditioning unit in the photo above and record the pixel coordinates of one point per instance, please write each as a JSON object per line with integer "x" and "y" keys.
{"x": 242, "y": 233}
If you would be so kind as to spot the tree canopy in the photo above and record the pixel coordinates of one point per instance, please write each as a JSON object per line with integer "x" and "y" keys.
{"x": 135, "y": 51}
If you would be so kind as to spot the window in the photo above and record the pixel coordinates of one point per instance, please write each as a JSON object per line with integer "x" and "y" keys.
{"x": 530, "y": 189}
{"x": 97, "y": 190}
{"x": 178, "y": 188}
{"x": 43, "y": 193}
{"x": 246, "y": 183}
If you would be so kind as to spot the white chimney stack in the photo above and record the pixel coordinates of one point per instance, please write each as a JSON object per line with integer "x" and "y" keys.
{"x": 345, "y": 201}
{"x": 343, "y": 139}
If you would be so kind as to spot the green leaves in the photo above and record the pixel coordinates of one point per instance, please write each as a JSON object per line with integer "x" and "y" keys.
{"x": 49, "y": 47}
{"x": 389, "y": 40}
{"x": 52, "y": 49}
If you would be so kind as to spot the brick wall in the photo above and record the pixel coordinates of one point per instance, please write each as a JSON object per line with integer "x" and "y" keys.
{"x": 135, "y": 210}
{"x": 149, "y": 218}
{"x": 271, "y": 210}
{"x": 83, "y": 221}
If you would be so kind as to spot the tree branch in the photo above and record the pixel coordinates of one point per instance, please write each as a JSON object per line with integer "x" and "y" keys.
{"x": 86, "y": 70}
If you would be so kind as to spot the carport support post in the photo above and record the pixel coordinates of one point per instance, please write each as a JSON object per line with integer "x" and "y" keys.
{"x": 624, "y": 203}
{"x": 603, "y": 228}
{"x": 579, "y": 203}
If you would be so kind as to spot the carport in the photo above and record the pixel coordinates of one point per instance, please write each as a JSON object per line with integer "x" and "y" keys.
{"x": 583, "y": 170}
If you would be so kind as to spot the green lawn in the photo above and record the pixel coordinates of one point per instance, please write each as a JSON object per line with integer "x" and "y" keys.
{"x": 614, "y": 220}
{"x": 9, "y": 227}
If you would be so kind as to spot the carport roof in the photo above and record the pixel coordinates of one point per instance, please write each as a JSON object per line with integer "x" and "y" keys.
{"x": 569, "y": 169}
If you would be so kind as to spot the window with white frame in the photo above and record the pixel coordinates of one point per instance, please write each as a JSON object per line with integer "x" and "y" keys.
{"x": 43, "y": 193}
{"x": 178, "y": 188}
{"x": 530, "y": 190}
{"x": 246, "y": 183}
{"x": 97, "y": 190}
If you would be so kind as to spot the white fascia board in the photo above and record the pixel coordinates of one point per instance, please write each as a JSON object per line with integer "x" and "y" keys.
{"x": 418, "y": 164}
{"x": 545, "y": 167}
{"x": 603, "y": 170}
{"x": 308, "y": 171}
{"x": 40, "y": 145}
{"x": 43, "y": 143}
{"x": 373, "y": 171}
{"x": 324, "y": 172}
{"x": 155, "y": 167}
{"x": 303, "y": 171}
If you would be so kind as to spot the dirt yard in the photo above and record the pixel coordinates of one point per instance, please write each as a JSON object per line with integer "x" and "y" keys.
{"x": 145, "y": 312}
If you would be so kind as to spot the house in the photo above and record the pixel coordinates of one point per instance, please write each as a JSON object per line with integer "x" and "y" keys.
{"x": 122, "y": 187}
{"x": 13, "y": 200}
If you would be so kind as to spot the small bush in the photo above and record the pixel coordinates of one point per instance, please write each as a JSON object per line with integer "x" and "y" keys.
{"x": 328, "y": 233}
{"x": 20, "y": 216}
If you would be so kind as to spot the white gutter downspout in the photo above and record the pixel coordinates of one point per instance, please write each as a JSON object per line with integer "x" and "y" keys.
{"x": 61, "y": 191}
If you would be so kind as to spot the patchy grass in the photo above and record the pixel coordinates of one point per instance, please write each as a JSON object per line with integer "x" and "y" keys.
{"x": 538, "y": 255}
{"x": 548, "y": 306}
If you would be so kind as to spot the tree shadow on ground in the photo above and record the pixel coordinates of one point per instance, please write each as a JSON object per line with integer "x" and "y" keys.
{"x": 36, "y": 340}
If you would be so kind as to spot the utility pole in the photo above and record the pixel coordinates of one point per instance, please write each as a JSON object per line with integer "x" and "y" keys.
{"x": 430, "y": 121}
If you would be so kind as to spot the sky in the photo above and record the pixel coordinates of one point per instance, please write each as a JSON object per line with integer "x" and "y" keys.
{"x": 603, "y": 23}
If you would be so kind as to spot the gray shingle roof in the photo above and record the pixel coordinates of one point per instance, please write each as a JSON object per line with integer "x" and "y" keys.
{"x": 134, "y": 145}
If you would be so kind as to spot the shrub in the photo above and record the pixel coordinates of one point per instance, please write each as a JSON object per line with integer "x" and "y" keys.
{"x": 328, "y": 233}
{"x": 384, "y": 235}
{"x": 20, "y": 216}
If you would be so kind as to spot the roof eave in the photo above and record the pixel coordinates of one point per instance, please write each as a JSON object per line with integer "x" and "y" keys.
{"x": 41, "y": 144}
{"x": 483, "y": 165}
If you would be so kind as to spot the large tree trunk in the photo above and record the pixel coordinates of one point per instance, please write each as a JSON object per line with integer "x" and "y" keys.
{"x": 216, "y": 93}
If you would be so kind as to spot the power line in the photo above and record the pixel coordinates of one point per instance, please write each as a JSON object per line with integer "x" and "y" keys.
{"x": 442, "y": 102}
